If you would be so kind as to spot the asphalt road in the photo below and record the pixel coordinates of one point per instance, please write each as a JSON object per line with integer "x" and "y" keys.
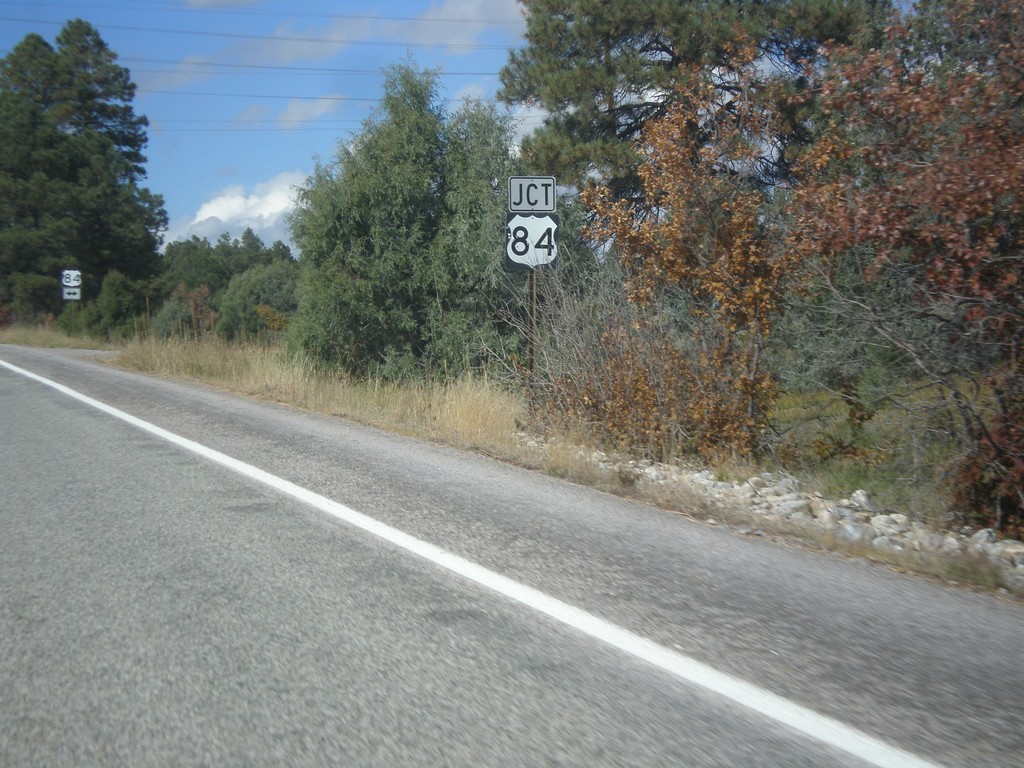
{"x": 159, "y": 608}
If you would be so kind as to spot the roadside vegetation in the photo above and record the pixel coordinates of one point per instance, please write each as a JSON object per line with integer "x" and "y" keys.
{"x": 470, "y": 412}
{"x": 488, "y": 415}
{"x": 793, "y": 241}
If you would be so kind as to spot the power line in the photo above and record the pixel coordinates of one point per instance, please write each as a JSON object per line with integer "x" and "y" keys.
{"x": 252, "y": 120}
{"x": 289, "y": 97}
{"x": 227, "y": 122}
{"x": 277, "y": 38}
{"x": 253, "y": 95}
{"x": 250, "y": 12}
{"x": 189, "y": 67}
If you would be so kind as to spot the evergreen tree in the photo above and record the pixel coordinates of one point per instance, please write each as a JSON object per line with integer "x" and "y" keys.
{"x": 71, "y": 163}
{"x": 197, "y": 278}
{"x": 401, "y": 237}
{"x": 250, "y": 294}
{"x": 602, "y": 69}
{"x": 193, "y": 263}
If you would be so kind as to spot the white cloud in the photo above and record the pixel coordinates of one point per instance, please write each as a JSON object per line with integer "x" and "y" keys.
{"x": 188, "y": 71}
{"x": 433, "y": 27}
{"x": 316, "y": 43}
{"x": 470, "y": 92}
{"x": 527, "y": 119}
{"x": 300, "y": 111}
{"x": 253, "y": 113}
{"x": 474, "y": 18}
{"x": 264, "y": 208}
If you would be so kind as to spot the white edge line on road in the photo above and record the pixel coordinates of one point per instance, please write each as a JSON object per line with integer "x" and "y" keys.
{"x": 817, "y": 726}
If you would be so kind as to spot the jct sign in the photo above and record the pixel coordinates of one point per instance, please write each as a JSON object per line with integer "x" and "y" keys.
{"x": 531, "y": 194}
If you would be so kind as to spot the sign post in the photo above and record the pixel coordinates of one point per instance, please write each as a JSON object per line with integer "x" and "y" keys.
{"x": 530, "y": 237}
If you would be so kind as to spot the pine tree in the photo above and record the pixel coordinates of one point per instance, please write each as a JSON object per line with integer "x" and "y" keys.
{"x": 602, "y": 69}
{"x": 70, "y": 166}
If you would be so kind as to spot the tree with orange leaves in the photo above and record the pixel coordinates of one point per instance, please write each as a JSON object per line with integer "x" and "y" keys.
{"x": 710, "y": 243}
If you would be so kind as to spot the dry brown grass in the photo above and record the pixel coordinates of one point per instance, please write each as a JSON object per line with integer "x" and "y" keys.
{"x": 41, "y": 336}
{"x": 472, "y": 413}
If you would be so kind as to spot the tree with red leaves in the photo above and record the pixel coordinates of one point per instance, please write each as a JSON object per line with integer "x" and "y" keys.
{"x": 919, "y": 171}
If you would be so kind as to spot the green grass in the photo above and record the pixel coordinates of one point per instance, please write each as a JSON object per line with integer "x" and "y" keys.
{"x": 895, "y": 456}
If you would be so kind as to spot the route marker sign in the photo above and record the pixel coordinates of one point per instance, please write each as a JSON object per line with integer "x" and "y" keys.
{"x": 531, "y": 194}
{"x": 71, "y": 282}
{"x": 530, "y": 240}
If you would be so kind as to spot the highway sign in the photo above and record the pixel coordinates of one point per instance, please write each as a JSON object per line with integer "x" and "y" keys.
{"x": 72, "y": 294}
{"x": 530, "y": 240}
{"x": 531, "y": 194}
{"x": 71, "y": 278}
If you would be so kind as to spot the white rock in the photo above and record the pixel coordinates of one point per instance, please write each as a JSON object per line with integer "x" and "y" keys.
{"x": 655, "y": 475}
{"x": 1014, "y": 578}
{"x": 854, "y": 531}
{"x": 1009, "y": 552}
{"x": 926, "y": 542}
{"x": 984, "y": 535}
{"x": 886, "y": 544}
{"x": 826, "y": 517}
{"x": 818, "y": 503}
{"x": 951, "y": 545}
{"x": 884, "y": 525}
{"x": 801, "y": 519}
{"x": 757, "y": 482}
{"x": 783, "y": 498}
{"x": 860, "y": 499}
{"x": 790, "y": 484}
{"x": 981, "y": 541}
{"x": 889, "y": 524}
{"x": 789, "y": 506}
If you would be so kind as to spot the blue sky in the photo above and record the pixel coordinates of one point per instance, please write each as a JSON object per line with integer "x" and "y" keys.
{"x": 243, "y": 95}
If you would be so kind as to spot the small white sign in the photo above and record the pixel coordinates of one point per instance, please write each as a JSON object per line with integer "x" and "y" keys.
{"x": 530, "y": 240}
{"x": 531, "y": 194}
{"x": 72, "y": 294}
{"x": 71, "y": 278}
